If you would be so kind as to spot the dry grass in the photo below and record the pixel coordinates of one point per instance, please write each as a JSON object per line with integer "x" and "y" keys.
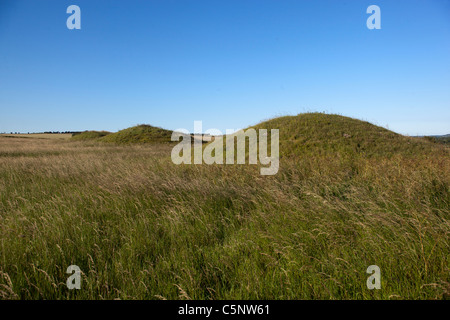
{"x": 58, "y": 136}
{"x": 140, "y": 227}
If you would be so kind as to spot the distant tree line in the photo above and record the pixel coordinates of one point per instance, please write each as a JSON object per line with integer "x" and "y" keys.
{"x": 60, "y": 132}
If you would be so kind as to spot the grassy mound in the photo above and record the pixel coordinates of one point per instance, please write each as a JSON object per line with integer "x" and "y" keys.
{"x": 328, "y": 134}
{"x": 89, "y": 135}
{"x": 139, "y": 134}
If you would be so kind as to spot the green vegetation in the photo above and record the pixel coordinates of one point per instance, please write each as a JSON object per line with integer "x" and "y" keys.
{"x": 140, "y": 227}
{"x": 89, "y": 135}
{"x": 327, "y": 134}
{"x": 444, "y": 139}
{"x": 439, "y": 139}
{"x": 139, "y": 134}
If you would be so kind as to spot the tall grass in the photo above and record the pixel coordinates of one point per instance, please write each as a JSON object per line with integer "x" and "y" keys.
{"x": 140, "y": 227}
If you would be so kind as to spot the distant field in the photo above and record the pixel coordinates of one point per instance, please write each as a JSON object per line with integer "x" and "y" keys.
{"x": 140, "y": 227}
{"x": 58, "y": 136}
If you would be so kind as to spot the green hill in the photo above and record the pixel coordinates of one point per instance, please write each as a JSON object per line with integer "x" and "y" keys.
{"x": 329, "y": 134}
{"x": 89, "y": 135}
{"x": 139, "y": 134}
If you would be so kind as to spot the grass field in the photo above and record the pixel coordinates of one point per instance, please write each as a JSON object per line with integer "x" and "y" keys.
{"x": 58, "y": 136}
{"x": 140, "y": 227}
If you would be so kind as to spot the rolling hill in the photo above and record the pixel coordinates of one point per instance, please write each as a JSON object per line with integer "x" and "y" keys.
{"x": 328, "y": 134}
{"x": 302, "y": 135}
{"x": 139, "y": 134}
{"x": 89, "y": 135}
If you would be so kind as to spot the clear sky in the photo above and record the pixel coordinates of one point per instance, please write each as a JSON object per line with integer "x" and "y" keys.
{"x": 229, "y": 63}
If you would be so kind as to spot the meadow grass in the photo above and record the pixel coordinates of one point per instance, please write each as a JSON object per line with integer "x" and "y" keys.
{"x": 140, "y": 227}
{"x": 59, "y": 136}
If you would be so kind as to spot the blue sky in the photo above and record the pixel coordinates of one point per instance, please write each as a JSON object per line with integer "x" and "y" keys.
{"x": 229, "y": 63}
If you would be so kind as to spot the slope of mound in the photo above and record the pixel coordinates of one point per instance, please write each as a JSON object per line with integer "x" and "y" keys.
{"x": 139, "y": 134}
{"x": 319, "y": 133}
{"x": 89, "y": 135}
